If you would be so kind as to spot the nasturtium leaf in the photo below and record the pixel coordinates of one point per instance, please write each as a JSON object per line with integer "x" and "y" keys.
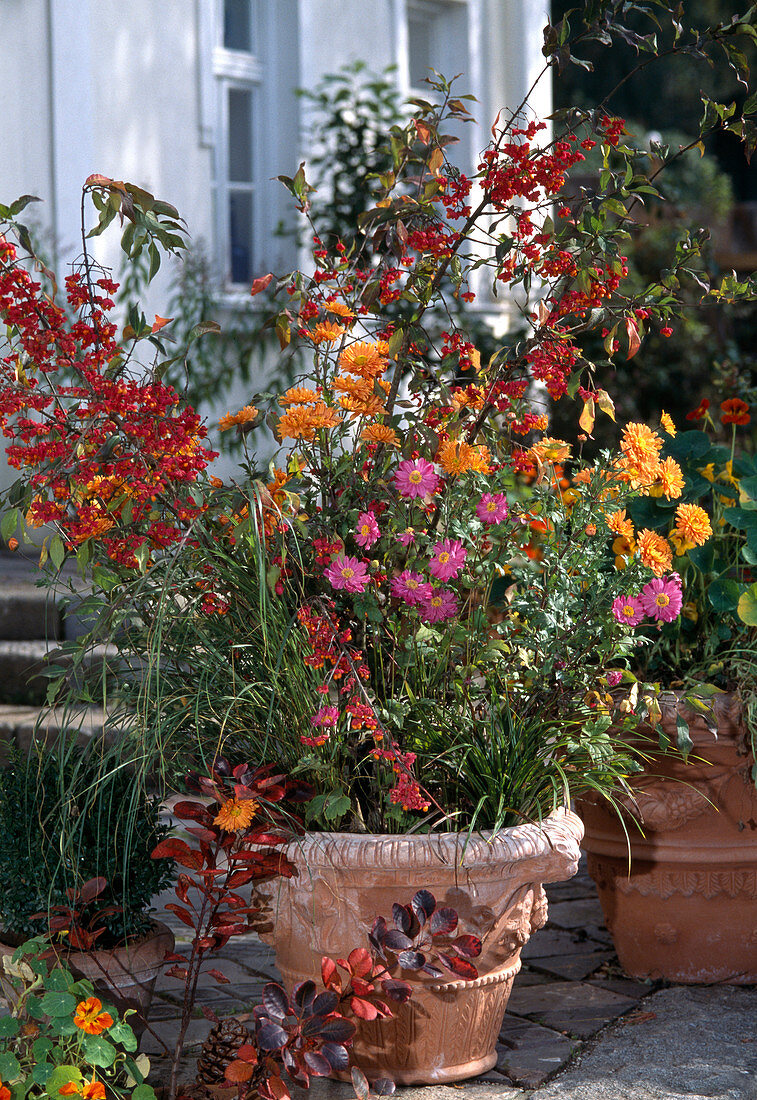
{"x": 9, "y": 1066}
{"x": 99, "y": 1051}
{"x": 143, "y": 1092}
{"x": 58, "y": 1004}
{"x": 41, "y": 1071}
{"x": 703, "y": 557}
{"x": 746, "y": 608}
{"x": 723, "y": 594}
{"x": 688, "y": 445}
{"x": 59, "y": 1077}
{"x": 9, "y": 1026}
{"x": 121, "y": 1033}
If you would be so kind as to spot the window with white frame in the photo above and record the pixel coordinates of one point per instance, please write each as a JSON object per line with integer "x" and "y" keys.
{"x": 437, "y": 38}
{"x": 238, "y": 77}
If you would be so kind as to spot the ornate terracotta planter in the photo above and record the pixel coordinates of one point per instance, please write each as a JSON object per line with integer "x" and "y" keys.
{"x": 448, "y": 1030}
{"x": 688, "y": 909}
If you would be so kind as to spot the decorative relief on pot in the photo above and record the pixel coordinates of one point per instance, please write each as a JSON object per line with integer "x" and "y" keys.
{"x": 665, "y": 933}
{"x": 707, "y": 884}
{"x": 665, "y": 807}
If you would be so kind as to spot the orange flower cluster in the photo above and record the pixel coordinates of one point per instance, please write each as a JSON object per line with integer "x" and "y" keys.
{"x": 457, "y": 457}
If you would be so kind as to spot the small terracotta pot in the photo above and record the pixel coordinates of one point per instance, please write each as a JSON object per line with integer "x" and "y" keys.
{"x": 448, "y": 1030}
{"x": 124, "y": 976}
{"x": 687, "y": 911}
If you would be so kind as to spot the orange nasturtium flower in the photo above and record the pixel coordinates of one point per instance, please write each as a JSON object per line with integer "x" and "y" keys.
{"x": 244, "y": 416}
{"x": 235, "y": 814}
{"x": 5, "y": 1092}
{"x": 92, "y": 1090}
{"x": 735, "y": 411}
{"x": 90, "y": 1017}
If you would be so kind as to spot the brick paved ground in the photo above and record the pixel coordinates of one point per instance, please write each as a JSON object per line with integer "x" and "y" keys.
{"x": 570, "y": 988}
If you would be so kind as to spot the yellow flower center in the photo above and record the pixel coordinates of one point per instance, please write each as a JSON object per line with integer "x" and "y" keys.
{"x": 411, "y": 583}
{"x": 628, "y": 611}
{"x": 436, "y": 601}
{"x": 348, "y": 572}
{"x": 661, "y": 599}
{"x": 416, "y": 477}
{"x": 443, "y": 557}
{"x": 491, "y": 506}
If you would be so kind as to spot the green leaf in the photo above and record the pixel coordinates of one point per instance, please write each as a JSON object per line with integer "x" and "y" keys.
{"x": 746, "y": 608}
{"x": 143, "y": 1092}
{"x": 99, "y": 1051}
{"x": 723, "y": 594}
{"x": 121, "y": 1033}
{"x": 683, "y": 740}
{"x": 749, "y": 554}
{"x": 9, "y": 1066}
{"x": 703, "y": 557}
{"x": 58, "y": 1004}
{"x": 8, "y": 1027}
{"x": 9, "y": 524}
{"x": 57, "y": 551}
{"x": 41, "y": 1072}
{"x": 748, "y": 485}
{"x": 688, "y": 445}
{"x": 61, "y": 1076}
{"x": 740, "y": 518}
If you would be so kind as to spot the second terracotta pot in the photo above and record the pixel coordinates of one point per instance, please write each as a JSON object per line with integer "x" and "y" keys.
{"x": 448, "y": 1030}
{"x": 686, "y": 909}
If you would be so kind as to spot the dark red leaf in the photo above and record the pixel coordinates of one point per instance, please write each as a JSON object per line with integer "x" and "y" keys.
{"x": 330, "y": 975}
{"x": 276, "y": 1001}
{"x": 193, "y": 811}
{"x": 91, "y": 889}
{"x": 411, "y": 960}
{"x": 397, "y": 991}
{"x": 317, "y": 1064}
{"x": 361, "y": 988}
{"x": 468, "y": 945}
{"x": 461, "y": 967}
{"x": 240, "y": 878}
{"x": 248, "y": 1053}
{"x": 360, "y": 962}
{"x": 303, "y": 996}
{"x": 183, "y": 884}
{"x": 364, "y": 1010}
{"x": 178, "y": 972}
{"x": 360, "y": 1084}
{"x": 202, "y": 833}
{"x": 325, "y": 1003}
{"x": 384, "y": 1087}
{"x": 173, "y": 848}
{"x": 443, "y": 922}
{"x": 219, "y": 977}
{"x": 423, "y": 904}
{"x": 172, "y": 957}
{"x": 336, "y": 1054}
{"x": 238, "y": 1072}
{"x": 338, "y": 1030}
{"x": 209, "y": 1014}
{"x": 433, "y": 971}
{"x": 271, "y": 1037}
{"x": 397, "y": 941}
{"x": 181, "y": 913}
{"x": 402, "y": 918}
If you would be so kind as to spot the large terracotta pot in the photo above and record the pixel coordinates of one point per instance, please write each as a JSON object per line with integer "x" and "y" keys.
{"x": 448, "y": 1030}
{"x": 687, "y": 911}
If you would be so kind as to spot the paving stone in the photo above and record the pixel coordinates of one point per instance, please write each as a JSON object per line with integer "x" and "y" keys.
{"x": 573, "y": 967}
{"x": 549, "y": 942}
{"x": 166, "y": 1030}
{"x": 529, "y": 1053}
{"x": 527, "y": 976}
{"x": 625, "y": 986}
{"x": 576, "y": 1008}
{"x": 577, "y": 912}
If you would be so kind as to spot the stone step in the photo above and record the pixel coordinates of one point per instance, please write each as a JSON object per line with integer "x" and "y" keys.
{"x": 21, "y": 727}
{"x": 28, "y": 612}
{"x": 22, "y": 664}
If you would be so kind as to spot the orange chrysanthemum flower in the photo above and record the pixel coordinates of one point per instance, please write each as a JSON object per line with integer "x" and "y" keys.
{"x": 299, "y": 395}
{"x": 244, "y": 416}
{"x": 368, "y": 406}
{"x": 326, "y": 332}
{"x": 339, "y": 309}
{"x": 654, "y": 551}
{"x": 640, "y": 444}
{"x": 380, "y": 433}
{"x": 458, "y": 457}
{"x": 735, "y": 411}
{"x": 669, "y": 480}
{"x": 584, "y": 476}
{"x": 89, "y": 1016}
{"x": 666, "y": 423}
{"x": 693, "y": 523}
{"x": 550, "y": 450}
{"x": 360, "y": 388}
{"x": 364, "y": 359}
{"x": 620, "y": 524}
{"x": 300, "y": 422}
{"x": 235, "y": 814}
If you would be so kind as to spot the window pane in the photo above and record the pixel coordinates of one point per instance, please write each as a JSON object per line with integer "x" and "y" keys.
{"x": 240, "y": 136}
{"x": 240, "y": 236}
{"x": 237, "y": 25}
{"x": 419, "y": 49}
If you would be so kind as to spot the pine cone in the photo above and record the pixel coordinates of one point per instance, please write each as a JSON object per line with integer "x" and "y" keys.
{"x": 219, "y": 1050}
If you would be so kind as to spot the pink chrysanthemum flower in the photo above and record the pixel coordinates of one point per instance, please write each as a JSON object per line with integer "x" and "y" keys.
{"x": 415, "y": 477}
{"x": 348, "y": 573}
{"x": 325, "y": 717}
{"x": 407, "y": 536}
{"x": 662, "y": 599}
{"x": 448, "y": 559}
{"x": 367, "y": 530}
{"x": 492, "y": 508}
{"x": 628, "y": 610}
{"x": 613, "y": 677}
{"x": 441, "y": 604}
{"x": 410, "y": 587}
